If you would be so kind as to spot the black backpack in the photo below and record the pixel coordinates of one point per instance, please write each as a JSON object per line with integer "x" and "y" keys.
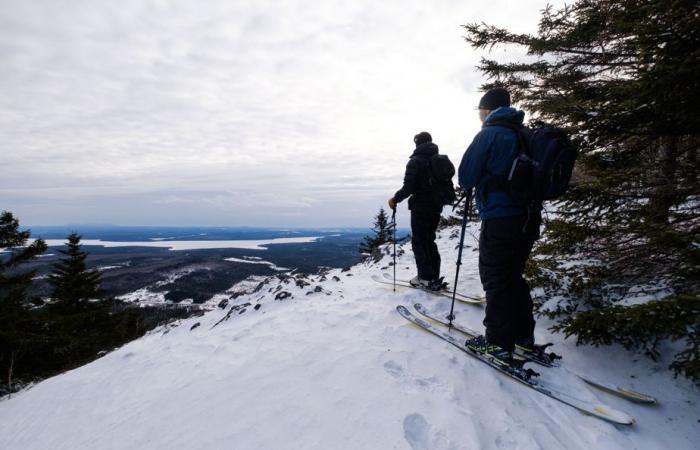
{"x": 542, "y": 168}
{"x": 440, "y": 180}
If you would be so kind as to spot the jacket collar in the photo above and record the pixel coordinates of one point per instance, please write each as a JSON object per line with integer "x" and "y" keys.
{"x": 505, "y": 114}
{"x": 426, "y": 149}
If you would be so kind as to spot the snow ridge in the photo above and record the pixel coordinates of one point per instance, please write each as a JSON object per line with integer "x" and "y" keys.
{"x": 325, "y": 362}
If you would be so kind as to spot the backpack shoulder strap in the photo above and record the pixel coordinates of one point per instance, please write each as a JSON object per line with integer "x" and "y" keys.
{"x": 503, "y": 123}
{"x": 496, "y": 183}
{"x": 520, "y": 130}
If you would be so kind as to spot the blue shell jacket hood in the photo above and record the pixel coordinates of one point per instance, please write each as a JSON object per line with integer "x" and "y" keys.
{"x": 491, "y": 153}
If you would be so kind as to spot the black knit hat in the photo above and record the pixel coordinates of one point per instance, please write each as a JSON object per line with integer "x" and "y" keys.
{"x": 494, "y": 99}
{"x": 422, "y": 138}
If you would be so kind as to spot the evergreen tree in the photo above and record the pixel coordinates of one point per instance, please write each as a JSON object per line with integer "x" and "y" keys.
{"x": 14, "y": 284}
{"x": 622, "y": 76}
{"x": 36, "y": 342}
{"x": 17, "y": 330}
{"x": 73, "y": 284}
{"x": 382, "y": 229}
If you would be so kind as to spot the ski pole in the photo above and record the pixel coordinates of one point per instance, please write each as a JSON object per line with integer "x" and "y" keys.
{"x": 393, "y": 221}
{"x": 465, "y": 219}
{"x": 459, "y": 200}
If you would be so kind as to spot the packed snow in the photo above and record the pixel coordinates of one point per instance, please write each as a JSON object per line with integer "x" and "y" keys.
{"x": 325, "y": 362}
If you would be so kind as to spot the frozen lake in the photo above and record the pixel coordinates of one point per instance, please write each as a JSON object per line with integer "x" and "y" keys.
{"x": 249, "y": 244}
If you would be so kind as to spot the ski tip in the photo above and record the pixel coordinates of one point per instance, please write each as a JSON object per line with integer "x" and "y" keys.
{"x": 627, "y": 394}
{"x": 613, "y": 416}
{"x": 472, "y": 300}
{"x": 642, "y": 398}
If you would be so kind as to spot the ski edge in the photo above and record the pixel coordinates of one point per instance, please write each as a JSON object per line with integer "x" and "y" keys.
{"x": 421, "y": 309}
{"x": 387, "y": 279}
{"x": 463, "y": 297}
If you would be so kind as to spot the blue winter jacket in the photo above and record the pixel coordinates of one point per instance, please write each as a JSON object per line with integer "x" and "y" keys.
{"x": 491, "y": 153}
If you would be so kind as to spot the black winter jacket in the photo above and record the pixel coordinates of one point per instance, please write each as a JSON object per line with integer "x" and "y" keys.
{"x": 416, "y": 181}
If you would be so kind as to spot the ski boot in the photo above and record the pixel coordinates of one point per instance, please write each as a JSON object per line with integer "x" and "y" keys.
{"x": 480, "y": 345}
{"x": 507, "y": 361}
{"x": 419, "y": 282}
{"x": 527, "y": 344}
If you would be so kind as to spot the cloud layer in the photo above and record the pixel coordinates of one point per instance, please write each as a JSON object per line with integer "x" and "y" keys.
{"x": 272, "y": 113}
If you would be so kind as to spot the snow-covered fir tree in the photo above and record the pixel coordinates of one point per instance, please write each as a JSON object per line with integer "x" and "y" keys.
{"x": 622, "y": 77}
{"x": 73, "y": 284}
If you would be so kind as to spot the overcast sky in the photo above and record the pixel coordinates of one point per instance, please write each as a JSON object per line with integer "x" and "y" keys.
{"x": 261, "y": 112}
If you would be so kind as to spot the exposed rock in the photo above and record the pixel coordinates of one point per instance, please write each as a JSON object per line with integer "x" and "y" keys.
{"x": 283, "y": 295}
{"x": 259, "y": 286}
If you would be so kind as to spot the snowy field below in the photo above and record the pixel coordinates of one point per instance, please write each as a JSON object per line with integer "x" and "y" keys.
{"x": 325, "y": 362}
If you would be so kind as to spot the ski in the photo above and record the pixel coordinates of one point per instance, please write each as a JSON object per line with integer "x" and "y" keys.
{"x": 519, "y": 374}
{"x": 620, "y": 391}
{"x": 540, "y": 357}
{"x": 387, "y": 279}
{"x": 548, "y": 360}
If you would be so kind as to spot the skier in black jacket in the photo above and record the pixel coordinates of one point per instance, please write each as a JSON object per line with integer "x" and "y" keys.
{"x": 425, "y": 212}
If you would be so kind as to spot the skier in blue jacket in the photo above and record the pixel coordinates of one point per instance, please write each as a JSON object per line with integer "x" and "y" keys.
{"x": 508, "y": 230}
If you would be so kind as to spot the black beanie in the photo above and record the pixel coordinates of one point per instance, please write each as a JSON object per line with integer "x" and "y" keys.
{"x": 422, "y": 138}
{"x": 494, "y": 99}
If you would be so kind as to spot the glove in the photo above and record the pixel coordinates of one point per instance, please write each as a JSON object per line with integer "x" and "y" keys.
{"x": 392, "y": 203}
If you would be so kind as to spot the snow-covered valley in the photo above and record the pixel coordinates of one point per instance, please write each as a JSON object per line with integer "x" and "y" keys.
{"x": 325, "y": 362}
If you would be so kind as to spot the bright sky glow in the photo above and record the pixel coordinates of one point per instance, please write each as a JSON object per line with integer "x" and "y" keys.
{"x": 268, "y": 113}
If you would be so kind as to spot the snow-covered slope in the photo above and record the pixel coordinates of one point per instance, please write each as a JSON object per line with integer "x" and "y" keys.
{"x": 333, "y": 366}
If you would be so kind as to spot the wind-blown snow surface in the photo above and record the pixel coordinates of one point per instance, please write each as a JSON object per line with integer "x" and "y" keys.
{"x": 335, "y": 367}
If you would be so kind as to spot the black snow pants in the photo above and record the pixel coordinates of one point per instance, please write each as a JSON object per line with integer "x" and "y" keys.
{"x": 504, "y": 247}
{"x": 423, "y": 228}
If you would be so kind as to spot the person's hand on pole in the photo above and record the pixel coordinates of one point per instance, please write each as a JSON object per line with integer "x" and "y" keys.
{"x": 392, "y": 203}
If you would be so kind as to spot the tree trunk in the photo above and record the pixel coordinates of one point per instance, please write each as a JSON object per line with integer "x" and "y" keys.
{"x": 9, "y": 374}
{"x": 663, "y": 194}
